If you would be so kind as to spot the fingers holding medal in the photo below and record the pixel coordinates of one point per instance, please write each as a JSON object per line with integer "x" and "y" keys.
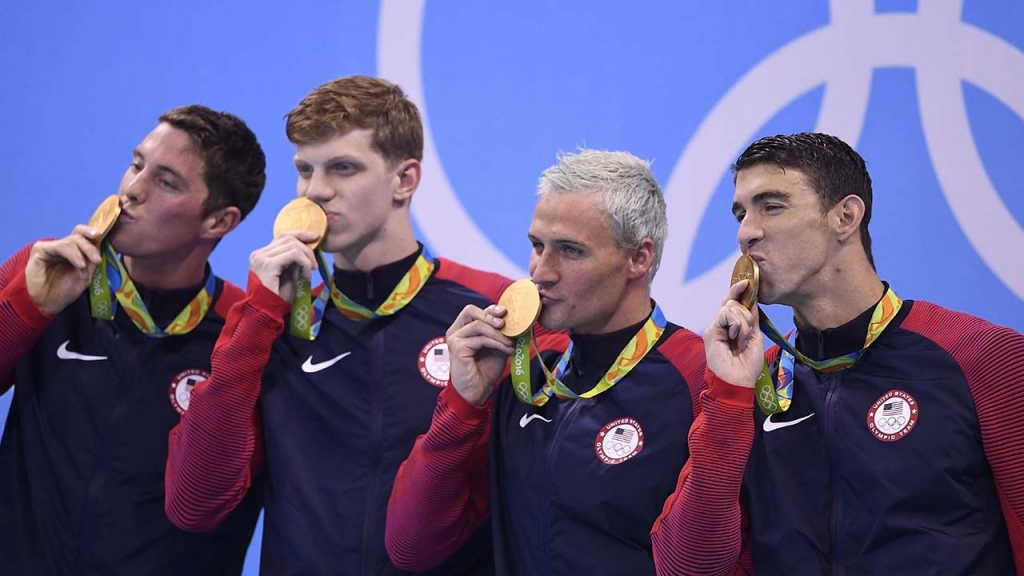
{"x": 521, "y": 300}
{"x": 299, "y": 230}
{"x": 302, "y": 215}
{"x": 104, "y": 218}
{"x": 746, "y": 268}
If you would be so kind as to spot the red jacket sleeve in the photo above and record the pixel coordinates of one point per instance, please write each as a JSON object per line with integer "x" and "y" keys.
{"x": 685, "y": 350}
{"x": 218, "y": 446}
{"x": 21, "y": 321}
{"x": 700, "y": 530}
{"x": 992, "y": 360}
{"x": 442, "y": 491}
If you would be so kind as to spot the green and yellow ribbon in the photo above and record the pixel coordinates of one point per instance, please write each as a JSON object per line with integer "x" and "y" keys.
{"x": 635, "y": 351}
{"x": 112, "y": 286}
{"x": 307, "y": 312}
{"x": 775, "y": 397}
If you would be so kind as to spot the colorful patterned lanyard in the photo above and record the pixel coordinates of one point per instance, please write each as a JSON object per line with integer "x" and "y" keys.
{"x": 404, "y": 292}
{"x": 642, "y": 343}
{"x": 111, "y": 276}
{"x": 774, "y": 397}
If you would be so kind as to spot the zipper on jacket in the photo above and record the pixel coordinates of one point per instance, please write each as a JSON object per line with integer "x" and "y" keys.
{"x": 830, "y": 403}
{"x": 98, "y": 482}
{"x": 567, "y": 418}
{"x": 376, "y": 423}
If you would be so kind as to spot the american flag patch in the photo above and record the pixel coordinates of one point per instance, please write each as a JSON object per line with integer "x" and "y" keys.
{"x": 894, "y": 408}
{"x": 623, "y": 435}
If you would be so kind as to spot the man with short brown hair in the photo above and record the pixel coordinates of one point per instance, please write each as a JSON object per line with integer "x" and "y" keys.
{"x": 331, "y": 415}
{"x": 101, "y": 375}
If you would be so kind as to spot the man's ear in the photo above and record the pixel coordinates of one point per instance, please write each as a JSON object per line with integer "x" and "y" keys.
{"x": 846, "y": 216}
{"x": 641, "y": 260}
{"x": 218, "y": 223}
{"x": 408, "y": 174}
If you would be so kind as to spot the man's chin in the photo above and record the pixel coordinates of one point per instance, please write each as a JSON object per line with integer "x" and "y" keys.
{"x": 118, "y": 241}
{"x": 549, "y": 322}
{"x": 332, "y": 245}
{"x": 126, "y": 246}
{"x": 768, "y": 296}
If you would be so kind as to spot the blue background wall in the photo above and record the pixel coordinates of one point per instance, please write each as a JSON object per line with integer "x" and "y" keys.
{"x": 931, "y": 93}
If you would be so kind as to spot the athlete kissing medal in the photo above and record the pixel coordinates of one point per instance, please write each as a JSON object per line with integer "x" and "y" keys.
{"x": 307, "y": 312}
{"x": 774, "y": 396}
{"x": 522, "y": 301}
{"x": 112, "y": 286}
{"x": 105, "y": 216}
{"x": 102, "y": 221}
{"x": 302, "y": 214}
{"x": 746, "y": 269}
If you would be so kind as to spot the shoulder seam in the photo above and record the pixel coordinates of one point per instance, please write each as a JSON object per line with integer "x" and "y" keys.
{"x": 487, "y": 284}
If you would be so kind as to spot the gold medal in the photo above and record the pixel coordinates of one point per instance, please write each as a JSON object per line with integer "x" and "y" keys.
{"x": 302, "y": 214}
{"x": 104, "y": 218}
{"x": 522, "y": 302}
{"x": 306, "y": 215}
{"x": 746, "y": 269}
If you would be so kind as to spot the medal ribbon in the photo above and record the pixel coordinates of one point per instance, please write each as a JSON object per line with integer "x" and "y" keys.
{"x": 307, "y": 326}
{"x": 111, "y": 277}
{"x": 638, "y": 347}
{"x": 774, "y": 397}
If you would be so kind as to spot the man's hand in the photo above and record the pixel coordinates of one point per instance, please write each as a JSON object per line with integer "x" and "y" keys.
{"x": 479, "y": 352}
{"x": 279, "y": 264}
{"x": 733, "y": 342}
{"x": 59, "y": 270}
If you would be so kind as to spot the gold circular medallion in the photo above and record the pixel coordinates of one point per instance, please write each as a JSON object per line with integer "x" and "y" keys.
{"x": 746, "y": 269}
{"x": 522, "y": 302}
{"x": 105, "y": 216}
{"x": 302, "y": 214}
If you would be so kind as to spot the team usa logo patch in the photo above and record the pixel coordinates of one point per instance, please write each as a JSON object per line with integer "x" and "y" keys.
{"x": 435, "y": 363}
{"x": 181, "y": 387}
{"x": 619, "y": 441}
{"x": 893, "y": 416}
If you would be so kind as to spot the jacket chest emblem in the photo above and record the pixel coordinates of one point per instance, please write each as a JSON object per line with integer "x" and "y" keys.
{"x": 619, "y": 440}
{"x": 434, "y": 362}
{"x": 181, "y": 387}
{"x": 893, "y": 416}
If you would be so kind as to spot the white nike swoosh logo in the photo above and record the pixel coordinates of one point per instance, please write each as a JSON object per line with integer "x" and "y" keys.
{"x": 309, "y": 367}
{"x": 526, "y": 419}
{"x": 64, "y": 354}
{"x": 769, "y": 425}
